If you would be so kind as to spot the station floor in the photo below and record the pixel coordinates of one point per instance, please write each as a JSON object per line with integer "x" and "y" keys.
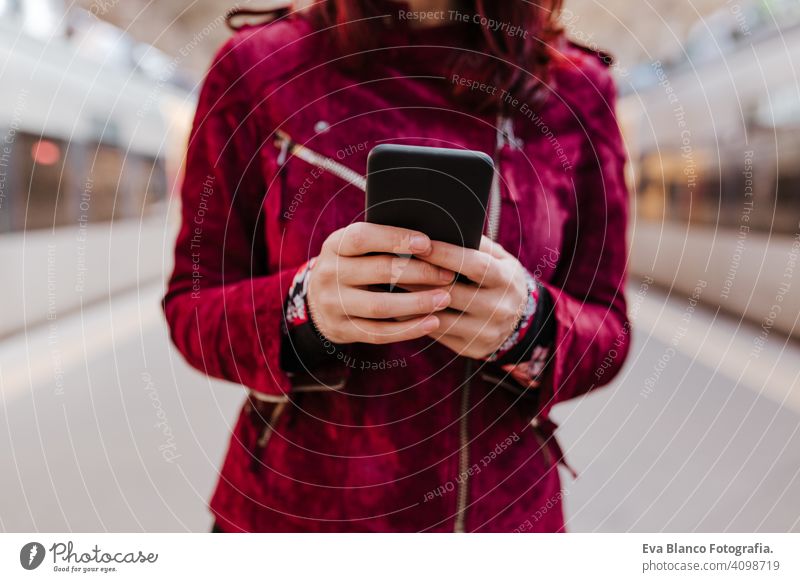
{"x": 104, "y": 427}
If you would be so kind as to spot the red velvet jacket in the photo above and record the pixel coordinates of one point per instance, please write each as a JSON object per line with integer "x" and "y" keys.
{"x": 404, "y": 437}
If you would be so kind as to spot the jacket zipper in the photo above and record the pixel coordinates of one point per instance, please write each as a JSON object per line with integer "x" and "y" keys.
{"x": 494, "y": 193}
{"x": 463, "y": 453}
{"x": 504, "y": 138}
{"x": 504, "y": 132}
{"x": 286, "y": 145}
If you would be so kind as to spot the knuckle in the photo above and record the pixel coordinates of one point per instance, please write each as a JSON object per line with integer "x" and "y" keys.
{"x": 397, "y": 268}
{"x": 452, "y": 257}
{"x": 502, "y": 272}
{"x": 327, "y": 304}
{"x": 356, "y": 236}
{"x": 487, "y": 338}
{"x": 401, "y": 240}
{"x": 482, "y": 302}
{"x": 324, "y": 272}
{"x": 378, "y": 308}
{"x": 506, "y": 313}
{"x": 334, "y": 240}
{"x": 384, "y": 269}
{"x": 473, "y": 269}
{"x": 485, "y": 265}
{"x": 424, "y": 302}
{"x": 430, "y": 273}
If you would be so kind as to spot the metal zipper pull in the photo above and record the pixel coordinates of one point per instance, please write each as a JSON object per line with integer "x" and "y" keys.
{"x": 285, "y": 142}
{"x": 507, "y": 130}
{"x": 266, "y": 433}
{"x": 320, "y": 161}
{"x": 283, "y": 154}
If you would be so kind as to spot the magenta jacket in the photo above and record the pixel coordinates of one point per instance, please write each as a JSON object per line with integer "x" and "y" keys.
{"x": 409, "y": 436}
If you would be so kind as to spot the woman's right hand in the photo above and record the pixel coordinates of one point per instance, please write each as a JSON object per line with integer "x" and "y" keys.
{"x": 345, "y": 311}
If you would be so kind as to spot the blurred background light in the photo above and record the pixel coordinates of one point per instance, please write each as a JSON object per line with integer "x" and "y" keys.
{"x": 45, "y": 152}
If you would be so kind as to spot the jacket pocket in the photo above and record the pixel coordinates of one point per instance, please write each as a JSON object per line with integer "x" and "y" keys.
{"x": 498, "y": 377}
{"x": 313, "y": 196}
{"x": 318, "y": 164}
{"x": 288, "y": 147}
{"x": 265, "y": 417}
{"x": 544, "y": 432}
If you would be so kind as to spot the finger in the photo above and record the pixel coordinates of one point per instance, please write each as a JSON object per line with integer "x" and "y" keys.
{"x": 493, "y": 248}
{"x": 374, "y": 305}
{"x": 440, "y": 334}
{"x": 361, "y": 238}
{"x": 480, "y": 267}
{"x": 371, "y": 331}
{"x": 472, "y": 299}
{"x": 381, "y": 269}
{"x": 460, "y": 324}
{"x": 461, "y": 346}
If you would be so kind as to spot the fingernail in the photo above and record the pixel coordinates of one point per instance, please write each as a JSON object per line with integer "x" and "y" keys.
{"x": 430, "y": 324}
{"x": 441, "y": 300}
{"x": 419, "y": 243}
{"x": 446, "y": 276}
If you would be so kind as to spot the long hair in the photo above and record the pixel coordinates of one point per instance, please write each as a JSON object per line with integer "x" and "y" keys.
{"x": 511, "y": 41}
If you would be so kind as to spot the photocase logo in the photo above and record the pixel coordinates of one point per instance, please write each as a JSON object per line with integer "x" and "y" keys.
{"x": 31, "y": 555}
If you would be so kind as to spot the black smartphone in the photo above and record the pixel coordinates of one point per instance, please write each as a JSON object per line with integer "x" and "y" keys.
{"x": 441, "y": 192}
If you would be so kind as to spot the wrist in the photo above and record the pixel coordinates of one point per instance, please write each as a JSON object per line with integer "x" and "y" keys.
{"x": 300, "y": 306}
{"x": 297, "y": 312}
{"x": 524, "y": 322}
{"x": 306, "y": 348}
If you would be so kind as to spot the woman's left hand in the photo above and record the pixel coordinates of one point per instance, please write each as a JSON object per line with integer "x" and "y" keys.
{"x": 481, "y": 316}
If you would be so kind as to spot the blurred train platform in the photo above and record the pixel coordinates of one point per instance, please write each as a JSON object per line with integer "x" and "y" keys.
{"x": 108, "y": 429}
{"x": 700, "y": 432}
{"x": 52, "y": 272}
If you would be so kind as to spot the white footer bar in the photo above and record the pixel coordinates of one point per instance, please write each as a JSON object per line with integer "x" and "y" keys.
{"x": 357, "y": 557}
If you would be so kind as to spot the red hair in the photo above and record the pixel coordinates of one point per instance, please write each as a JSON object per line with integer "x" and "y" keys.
{"x": 516, "y": 63}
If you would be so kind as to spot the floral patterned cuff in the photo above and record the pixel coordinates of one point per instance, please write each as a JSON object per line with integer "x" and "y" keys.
{"x": 523, "y": 324}
{"x": 304, "y": 348}
{"x": 526, "y": 359}
{"x": 296, "y": 304}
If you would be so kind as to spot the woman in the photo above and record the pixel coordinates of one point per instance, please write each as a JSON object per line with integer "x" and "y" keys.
{"x": 418, "y": 411}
